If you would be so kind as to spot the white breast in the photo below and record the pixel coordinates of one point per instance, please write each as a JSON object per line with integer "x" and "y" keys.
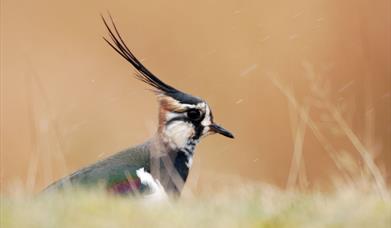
{"x": 157, "y": 191}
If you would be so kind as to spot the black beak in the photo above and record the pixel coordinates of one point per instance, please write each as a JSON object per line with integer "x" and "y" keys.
{"x": 218, "y": 129}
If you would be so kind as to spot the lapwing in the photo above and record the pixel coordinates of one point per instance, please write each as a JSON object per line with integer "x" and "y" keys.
{"x": 160, "y": 166}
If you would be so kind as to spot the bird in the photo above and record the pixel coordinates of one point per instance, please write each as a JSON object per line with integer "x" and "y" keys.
{"x": 160, "y": 166}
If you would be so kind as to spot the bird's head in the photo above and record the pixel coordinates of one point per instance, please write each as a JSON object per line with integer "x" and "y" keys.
{"x": 183, "y": 118}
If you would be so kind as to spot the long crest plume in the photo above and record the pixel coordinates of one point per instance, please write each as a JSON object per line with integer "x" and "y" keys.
{"x": 118, "y": 44}
{"x": 143, "y": 74}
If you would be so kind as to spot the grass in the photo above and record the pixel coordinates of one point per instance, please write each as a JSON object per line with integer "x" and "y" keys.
{"x": 251, "y": 206}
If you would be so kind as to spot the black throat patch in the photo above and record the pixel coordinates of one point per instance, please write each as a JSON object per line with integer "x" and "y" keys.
{"x": 184, "y": 159}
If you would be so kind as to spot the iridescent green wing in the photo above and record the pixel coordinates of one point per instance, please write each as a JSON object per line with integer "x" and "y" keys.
{"x": 117, "y": 173}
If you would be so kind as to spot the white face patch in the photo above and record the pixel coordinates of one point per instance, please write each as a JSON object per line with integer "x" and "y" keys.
{"x": 177, "y": 134}
{"x": 157, "y": 190}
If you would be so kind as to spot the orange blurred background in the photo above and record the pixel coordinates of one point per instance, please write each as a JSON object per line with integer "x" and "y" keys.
{"x": 67, "y": 99}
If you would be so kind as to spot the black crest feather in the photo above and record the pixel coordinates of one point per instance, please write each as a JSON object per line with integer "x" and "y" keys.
{"x": 144, "y": 74}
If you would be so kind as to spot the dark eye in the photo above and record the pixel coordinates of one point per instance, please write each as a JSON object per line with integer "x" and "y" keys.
{"x": 194, "y": 114}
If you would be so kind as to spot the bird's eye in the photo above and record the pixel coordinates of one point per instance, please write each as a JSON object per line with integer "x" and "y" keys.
{"x": 194, "y": 114}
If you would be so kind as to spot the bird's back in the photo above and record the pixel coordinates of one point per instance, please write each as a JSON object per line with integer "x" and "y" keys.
{"x": 117, "y": 173}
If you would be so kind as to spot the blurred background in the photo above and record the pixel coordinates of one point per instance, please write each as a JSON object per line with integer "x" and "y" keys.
{"x": 298, "y": 83}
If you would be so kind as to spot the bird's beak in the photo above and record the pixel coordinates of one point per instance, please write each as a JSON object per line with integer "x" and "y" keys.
{"x": 220, "y": 130}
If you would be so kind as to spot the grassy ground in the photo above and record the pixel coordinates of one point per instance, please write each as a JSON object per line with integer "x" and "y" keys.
{"x": 253, "y": 206}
